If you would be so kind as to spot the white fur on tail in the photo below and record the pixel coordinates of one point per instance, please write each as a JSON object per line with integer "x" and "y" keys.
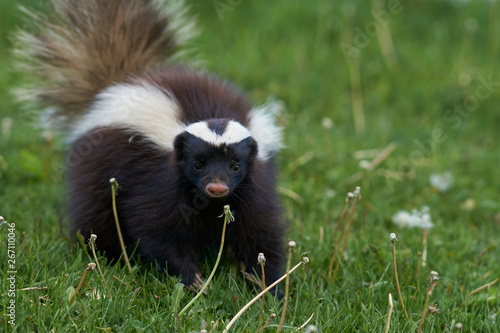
{"x": 264, "y": 129}
{"x": 143, "y": 108}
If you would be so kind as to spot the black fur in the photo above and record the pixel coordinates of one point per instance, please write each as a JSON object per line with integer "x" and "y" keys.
{"x": 169, "y": 202}
{"x": 162, "y": 206}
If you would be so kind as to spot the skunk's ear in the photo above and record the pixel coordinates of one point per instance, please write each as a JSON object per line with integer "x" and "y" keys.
{"x": 253, "y": 149}
{"x": 180, "y": 145}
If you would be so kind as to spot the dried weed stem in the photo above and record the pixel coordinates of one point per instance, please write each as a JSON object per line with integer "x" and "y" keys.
{"x": 90, "y": 267}
{"x": 114, "y": 188}
{"x": 303, "y": 261}
{"x": 228, "y": 217}
{"x": 393, "y": 241}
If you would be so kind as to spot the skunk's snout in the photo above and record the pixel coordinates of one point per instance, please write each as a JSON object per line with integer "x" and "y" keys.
{"x": 216, "y": 190}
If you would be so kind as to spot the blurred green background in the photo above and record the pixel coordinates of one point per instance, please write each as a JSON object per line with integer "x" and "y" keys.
{"x": 416, "y": 78}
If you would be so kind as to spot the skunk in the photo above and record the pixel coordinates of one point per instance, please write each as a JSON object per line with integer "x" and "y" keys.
{"x": 181, "y": 143}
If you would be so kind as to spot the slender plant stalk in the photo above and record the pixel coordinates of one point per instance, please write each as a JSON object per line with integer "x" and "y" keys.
{"x": 424, "y": 251}
{"x": 262, "y": 261}
{"x": 419, "y": 267}
{"x": 90, "y": 267}
{"x": 424, "y": 312}
{"x": 347, "y": 201}
{"x": 389, "y": 314}
{"x": 304, "y": 261}
{"x": 92, "y": 245}
{"x": 228, "y": 217}
{"x": 291, "y": 245}
{"x": 478, "y": 290}
{"x": 179, "y": 322}
{"x": 349, "y": 218}
{"x": 393, "y": 240}
{"x": 355, "y": 80}
{"x": 385, "y": 40}
{"x": 273, "y": 315}
{"x": 114, "y": 187}
{"x": 215, "y": 324}
{"x": 305, "y": 323}
{"x": 434, "y": 280}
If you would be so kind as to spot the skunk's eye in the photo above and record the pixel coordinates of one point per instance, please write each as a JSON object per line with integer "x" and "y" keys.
{"x": 197, "y": 166}
{"x": 236, "y": 167}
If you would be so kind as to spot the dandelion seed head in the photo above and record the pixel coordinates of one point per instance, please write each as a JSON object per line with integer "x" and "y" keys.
{"x": 357, "y": 190}
{"x": 227, "y": 214}
{"x": 402, "y": 219}
{"x": 327, "y": 123}
{"x": 393, "y": 237}
{"x": 441, "y": 181}
{"x": 415, "y": 219}
{"x": 291, "y": 244}
{"x": 92, "y": 240}
{"x": 425, "y": 221}
{"x": 434, "y": 309}
{"x": 261, "y": 259}
{"x": 311, "y": 329}
{"x": 364, "y": 164}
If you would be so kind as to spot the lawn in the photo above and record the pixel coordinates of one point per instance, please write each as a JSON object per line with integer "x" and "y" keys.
{"x": 381, "y": 95}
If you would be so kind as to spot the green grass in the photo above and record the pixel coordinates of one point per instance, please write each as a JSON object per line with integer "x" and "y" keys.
{"x": 291, "y": 50}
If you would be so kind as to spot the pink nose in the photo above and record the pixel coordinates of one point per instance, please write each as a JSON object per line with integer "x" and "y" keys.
{"x": 217, "y": 190}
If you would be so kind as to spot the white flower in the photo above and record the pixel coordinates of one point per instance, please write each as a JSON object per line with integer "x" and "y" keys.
{"x": 402, "y": 219}
{"x": 327, "y": 123}
{"x": 415, "y": 219}
{"x": 425, "y": 221}
{"x": 441, "y": 181}
{"x": 311, "y": 329}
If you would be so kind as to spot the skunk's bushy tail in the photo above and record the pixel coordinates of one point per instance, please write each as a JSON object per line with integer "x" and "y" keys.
{"x": 83, "y": 46}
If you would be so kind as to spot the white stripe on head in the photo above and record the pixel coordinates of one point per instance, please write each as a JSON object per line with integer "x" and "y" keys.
{"x": 233, "y": 133}
{"x": 143, "y": 108}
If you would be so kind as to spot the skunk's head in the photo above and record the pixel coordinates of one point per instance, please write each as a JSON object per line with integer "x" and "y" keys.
{"x": 215, "y": 155}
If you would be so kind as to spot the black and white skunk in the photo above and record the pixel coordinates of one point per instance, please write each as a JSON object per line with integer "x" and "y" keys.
{"x": 181, "y": 144}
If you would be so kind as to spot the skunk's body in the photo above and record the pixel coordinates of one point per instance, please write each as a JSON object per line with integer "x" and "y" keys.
{"x": 181, "y": 144}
